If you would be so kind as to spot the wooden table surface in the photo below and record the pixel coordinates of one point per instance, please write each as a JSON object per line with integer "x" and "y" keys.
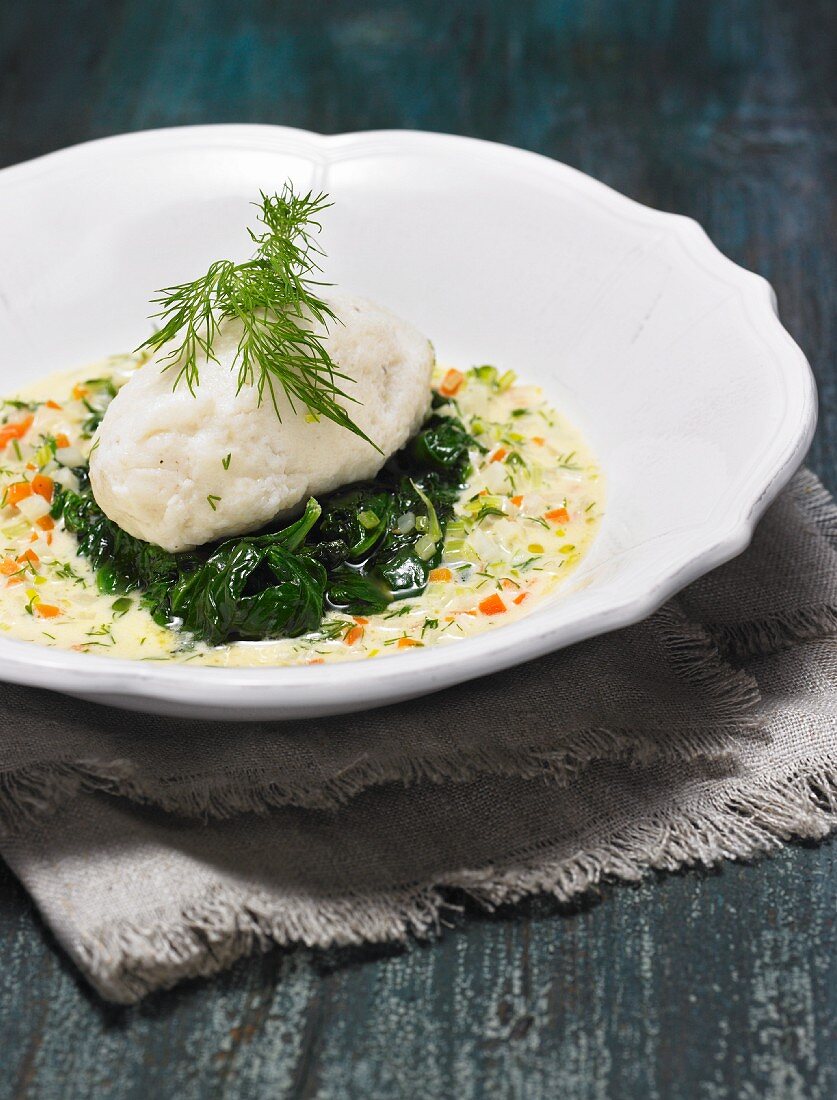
{"x": 695, "y": 985}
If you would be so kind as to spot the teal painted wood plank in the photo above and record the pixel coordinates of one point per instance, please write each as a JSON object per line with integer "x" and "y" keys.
{"x": 704, "y": 986}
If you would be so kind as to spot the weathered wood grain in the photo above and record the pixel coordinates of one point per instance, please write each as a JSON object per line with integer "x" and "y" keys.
{"x": 694, "y": 985}
{"x": 704, "y": 986}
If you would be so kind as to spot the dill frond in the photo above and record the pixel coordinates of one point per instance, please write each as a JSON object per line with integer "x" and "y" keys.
{"x": 272, "y": 295}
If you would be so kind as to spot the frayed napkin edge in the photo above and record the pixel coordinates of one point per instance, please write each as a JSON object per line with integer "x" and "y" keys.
{"x": 761, "y": 637}
{"x": 30, "y": 794}
{"x": 34, "y": 791}
{"x": 744, "y": 819}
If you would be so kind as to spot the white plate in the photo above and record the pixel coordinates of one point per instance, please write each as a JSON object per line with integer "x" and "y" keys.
{"x": 669, "y": 356}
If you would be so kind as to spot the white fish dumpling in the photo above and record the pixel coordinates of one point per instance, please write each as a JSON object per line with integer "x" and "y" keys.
{"x": 181, "y": 470}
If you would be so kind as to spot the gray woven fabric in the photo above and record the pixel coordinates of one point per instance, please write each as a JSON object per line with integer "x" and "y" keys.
{"x": 160, "y": 849}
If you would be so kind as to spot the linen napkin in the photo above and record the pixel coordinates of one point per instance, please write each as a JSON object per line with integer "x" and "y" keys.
{"x": 161, "y": 849}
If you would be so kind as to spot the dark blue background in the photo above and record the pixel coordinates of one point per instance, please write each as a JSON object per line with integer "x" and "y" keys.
{"x": 700, "y": 985}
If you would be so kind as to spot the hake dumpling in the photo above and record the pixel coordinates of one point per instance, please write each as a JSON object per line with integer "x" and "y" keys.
{"x": 180, "y": 470}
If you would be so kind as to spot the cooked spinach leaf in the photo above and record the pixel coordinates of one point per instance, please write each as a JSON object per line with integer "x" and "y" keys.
{"x": 356, "y": 592}
{"x": 356, "y": 551}
{"x": 250, "y": 588}
{"x": 442, "y": 445}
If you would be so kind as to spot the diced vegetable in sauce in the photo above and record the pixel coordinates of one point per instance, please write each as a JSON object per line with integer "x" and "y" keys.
{"x": 478, "y": 519}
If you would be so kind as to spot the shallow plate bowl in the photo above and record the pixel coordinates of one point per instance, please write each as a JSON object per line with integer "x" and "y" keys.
{"x": 669, "y": 357}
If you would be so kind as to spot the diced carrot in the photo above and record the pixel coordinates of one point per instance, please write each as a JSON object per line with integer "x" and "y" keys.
{"x": 406, "y": 643}
{"x": 18, "y": 430}
{"x": 46, "y": 523}
{"x": 499, "y": 454}
{"x": 517, "y": 501}
{"x": 49, "y": 538}
{"x": 539, "y": 439}
{"x": 33, "y": 537}
{"x": 451, "y": 383}
{"x": 558, "y": 515}
{"x": 440, "y": 574}
{"x": 47, "y": 610}
{"x": 14, "y": 580}
{"x": 80, "y": 391}
{"x": 31, "y": 466}
{"x": 29, "y": 555}
{"x": 52, "y": 404}
{"x": 360, "y": 620}
{"x": 19, "y": 491}
{"x": 43, "y": 486}
{"x": 8, "y": 567}
{"x": 353, "y": 634}
{"x": 508, "y": 583}
{"x": 315, "y": 661}
{"x": 492, "y": 605}
{"x": 523, "y": 596}
{"x": 470, "y": 611}
{"x": 62, "y": 440}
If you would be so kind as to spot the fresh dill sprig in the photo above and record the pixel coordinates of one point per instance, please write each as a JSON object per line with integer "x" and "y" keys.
{"x": 274, "y": 296}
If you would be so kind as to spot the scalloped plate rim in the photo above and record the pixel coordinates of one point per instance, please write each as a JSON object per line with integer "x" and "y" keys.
{"x": 280, "y": 693}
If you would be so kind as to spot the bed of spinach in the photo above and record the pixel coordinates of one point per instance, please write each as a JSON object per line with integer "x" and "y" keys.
{"x": 346, "y": 552}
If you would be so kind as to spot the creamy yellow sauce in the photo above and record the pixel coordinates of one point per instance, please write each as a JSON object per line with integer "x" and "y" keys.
{"x": 536, "y": 472}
